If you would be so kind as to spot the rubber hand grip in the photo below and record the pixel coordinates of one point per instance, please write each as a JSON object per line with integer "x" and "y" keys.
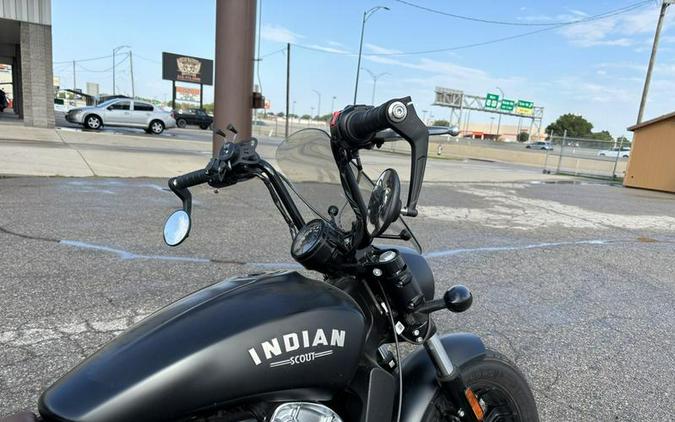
{"x": 193, "y": 178}
{"x": 360, "y": 125}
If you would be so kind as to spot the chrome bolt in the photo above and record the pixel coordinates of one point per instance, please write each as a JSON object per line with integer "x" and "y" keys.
{"x": 416, "y": 332}
{"x": 377, "y": 272}
{"x": 397, "y": 111}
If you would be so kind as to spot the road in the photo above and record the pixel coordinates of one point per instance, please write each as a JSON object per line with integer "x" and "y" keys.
{"x": 572, "y": 280}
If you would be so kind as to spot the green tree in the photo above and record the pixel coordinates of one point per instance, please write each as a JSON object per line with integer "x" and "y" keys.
{"x": 575, "y": 125}
{"x": 623, "y": 140}
{"x": 305, "y": 117}
{"x": 326, "y": 117}
{"x": 441, "y": 123}
{"x": 523, "y": 137}
{"x": 602, "y": 136}
{"x": 280, "y": 114}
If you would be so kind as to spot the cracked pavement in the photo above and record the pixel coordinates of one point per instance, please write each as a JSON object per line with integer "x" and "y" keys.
{"x": 572, "y": 281}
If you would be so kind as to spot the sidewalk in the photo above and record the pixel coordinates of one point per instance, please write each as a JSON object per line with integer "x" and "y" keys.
{"x": 63, "y": 152}
{"x": 71, "y": 153}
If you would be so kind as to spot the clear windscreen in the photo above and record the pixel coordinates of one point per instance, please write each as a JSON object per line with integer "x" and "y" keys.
{"x": 307, "y": 162}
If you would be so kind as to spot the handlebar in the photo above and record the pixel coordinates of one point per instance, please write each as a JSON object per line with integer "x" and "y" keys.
{"x": 356, "y": 128}
{"x": 187, "y": 180}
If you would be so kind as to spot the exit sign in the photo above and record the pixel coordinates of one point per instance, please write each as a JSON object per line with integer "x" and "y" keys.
{"x": 507, "y": 105}
{"x": 491, "y": 101}
{"x": 525, "y": 107}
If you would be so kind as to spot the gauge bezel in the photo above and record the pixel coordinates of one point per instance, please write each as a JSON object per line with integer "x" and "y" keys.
{"x": 324, "y": 249}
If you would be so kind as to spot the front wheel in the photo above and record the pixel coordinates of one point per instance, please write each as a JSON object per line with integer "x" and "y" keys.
{"x": 500, "y": 387}
{"x": 156, "y": 127}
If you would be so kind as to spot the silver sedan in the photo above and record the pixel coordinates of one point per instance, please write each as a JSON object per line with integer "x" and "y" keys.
{"x": 123, "y": 112}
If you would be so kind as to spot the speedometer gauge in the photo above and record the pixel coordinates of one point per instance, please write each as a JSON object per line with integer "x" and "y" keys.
{"x": 315, "y": 245}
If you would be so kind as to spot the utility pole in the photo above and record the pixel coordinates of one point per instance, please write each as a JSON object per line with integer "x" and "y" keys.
{"x": 375, "y": 78}
{"x": 332, "y": 104}
{"x": 131, "y": 69}
{"x": 74, "y": 78}
{"x": 318, "y": 108}
{"x": 366, "y": 15}
{"x": 235, "y": 42}
{"x": 288, "y": 84}
{"x": 115, "y": 50}
{"x": 652, "y": 58}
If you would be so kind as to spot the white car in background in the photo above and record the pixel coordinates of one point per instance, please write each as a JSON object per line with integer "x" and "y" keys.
{"x": 123, "y": 112}
{"x": 623, "y": 152}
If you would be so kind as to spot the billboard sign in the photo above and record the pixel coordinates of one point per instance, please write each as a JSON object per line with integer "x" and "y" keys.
{"x": 185, "y": 94}
{"x": 187, "y": 69}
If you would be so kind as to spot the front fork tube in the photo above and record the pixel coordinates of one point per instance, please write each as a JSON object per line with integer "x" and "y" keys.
{"x": 450, "y": 379}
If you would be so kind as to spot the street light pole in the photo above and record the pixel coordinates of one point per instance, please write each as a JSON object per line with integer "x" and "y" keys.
{"x": 648, "y": 78}
{"x": 492, "y": 120}
{"x": 499, "y": 122}
{"x": 332, "y": 104}
{"x": 366, "y": 15}
{"x": 318, "y": 108}
{"x": 115, "y": 50}
{"x": 375, "y": 78}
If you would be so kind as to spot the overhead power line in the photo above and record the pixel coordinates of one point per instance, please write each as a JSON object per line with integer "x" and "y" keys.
{"x": 600, "y": 16}
{"x": 126, "y": 57}
{"x": 507, "y": 23}
{"x": 85, "y": 60}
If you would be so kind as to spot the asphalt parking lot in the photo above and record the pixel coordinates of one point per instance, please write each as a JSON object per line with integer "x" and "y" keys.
{"x": 574, "y": 281}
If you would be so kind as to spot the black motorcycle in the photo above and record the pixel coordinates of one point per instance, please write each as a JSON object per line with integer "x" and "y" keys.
{"x": 282, "y": 347}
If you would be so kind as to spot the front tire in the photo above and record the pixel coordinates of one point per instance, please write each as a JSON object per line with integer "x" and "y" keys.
{"x": 500, "y": 387}
{"x": 181, "y": 123}
{"x": 93, "y": 122}
{"x": 156, "y": 127}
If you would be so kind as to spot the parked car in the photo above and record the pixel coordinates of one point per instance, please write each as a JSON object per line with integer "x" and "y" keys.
{"x": 195, "y": 116}
{"x": 623, "y": 152}
{"x": 540, "y": 145}
{"x": 123, "y": 112}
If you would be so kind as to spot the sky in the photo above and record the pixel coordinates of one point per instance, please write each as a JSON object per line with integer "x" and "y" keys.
{"x": 594, "y": 68}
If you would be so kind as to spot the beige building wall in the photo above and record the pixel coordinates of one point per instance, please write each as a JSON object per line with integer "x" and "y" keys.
{"x": 652, "y": 160}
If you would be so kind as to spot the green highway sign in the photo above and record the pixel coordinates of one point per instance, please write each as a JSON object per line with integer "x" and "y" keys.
{"x": 525, "y": 107}
{"x": 491, "y": 101}
{"x": 507, "y": 105}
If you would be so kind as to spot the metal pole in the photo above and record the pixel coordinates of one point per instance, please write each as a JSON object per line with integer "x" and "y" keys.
{"x": 235, "y": 42}
{"x": 131, "y": 69}
{"x": 546, "y": 157}
{"x": 499, "y": 122}
{"x": 201, "y": 96}
{"x": 288, "y": 85}
{"x": 618, "y": 154}
{"x": 173, "y": 95}
{"x": 648, "y": 78}
{"x": 492, "y": 120}
{"x": 358, "y": 66}
{"x": 562, "y": 145}
{"x": 114, "y": 51}
{"x": 74, "y": 78}
{"x": 318, "y": 108}
{"x": 332, "y": 104}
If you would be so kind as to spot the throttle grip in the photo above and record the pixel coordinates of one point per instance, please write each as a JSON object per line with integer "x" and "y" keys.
{"x": 359, "y": 124}
{"x": 187, "y": 180}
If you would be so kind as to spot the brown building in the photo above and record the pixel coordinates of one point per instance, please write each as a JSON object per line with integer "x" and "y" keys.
{"x": 652, "y": 158}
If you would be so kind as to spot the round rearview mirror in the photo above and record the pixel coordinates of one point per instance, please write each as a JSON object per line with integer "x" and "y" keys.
{"x": 454, "y": 130}
{"x": 176, "y": 228}
{"x": 384, "y": 206}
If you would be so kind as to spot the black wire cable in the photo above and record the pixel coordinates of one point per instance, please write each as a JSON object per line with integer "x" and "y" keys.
{"x": 103, "y": 70}
{"x": 497, "y": 22}
{"x": 398, "y": 353}
{"x": 604, "y": 15}
{"x": 84, "y": 60}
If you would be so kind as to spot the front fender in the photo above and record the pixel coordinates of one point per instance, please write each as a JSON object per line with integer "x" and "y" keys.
{"x": 419, "y": 373}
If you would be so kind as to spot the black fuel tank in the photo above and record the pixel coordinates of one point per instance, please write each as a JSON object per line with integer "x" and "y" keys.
{"x": 264, "y": 336}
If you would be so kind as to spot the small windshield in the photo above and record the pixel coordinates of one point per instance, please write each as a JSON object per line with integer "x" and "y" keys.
{"x": 306, "y": 160}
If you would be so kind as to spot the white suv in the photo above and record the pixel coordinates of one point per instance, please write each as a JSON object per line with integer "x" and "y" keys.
{"x": 123, "y": 112}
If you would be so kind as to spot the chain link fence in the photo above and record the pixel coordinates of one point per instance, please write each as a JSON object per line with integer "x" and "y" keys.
{"x": 586, "y": 157}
